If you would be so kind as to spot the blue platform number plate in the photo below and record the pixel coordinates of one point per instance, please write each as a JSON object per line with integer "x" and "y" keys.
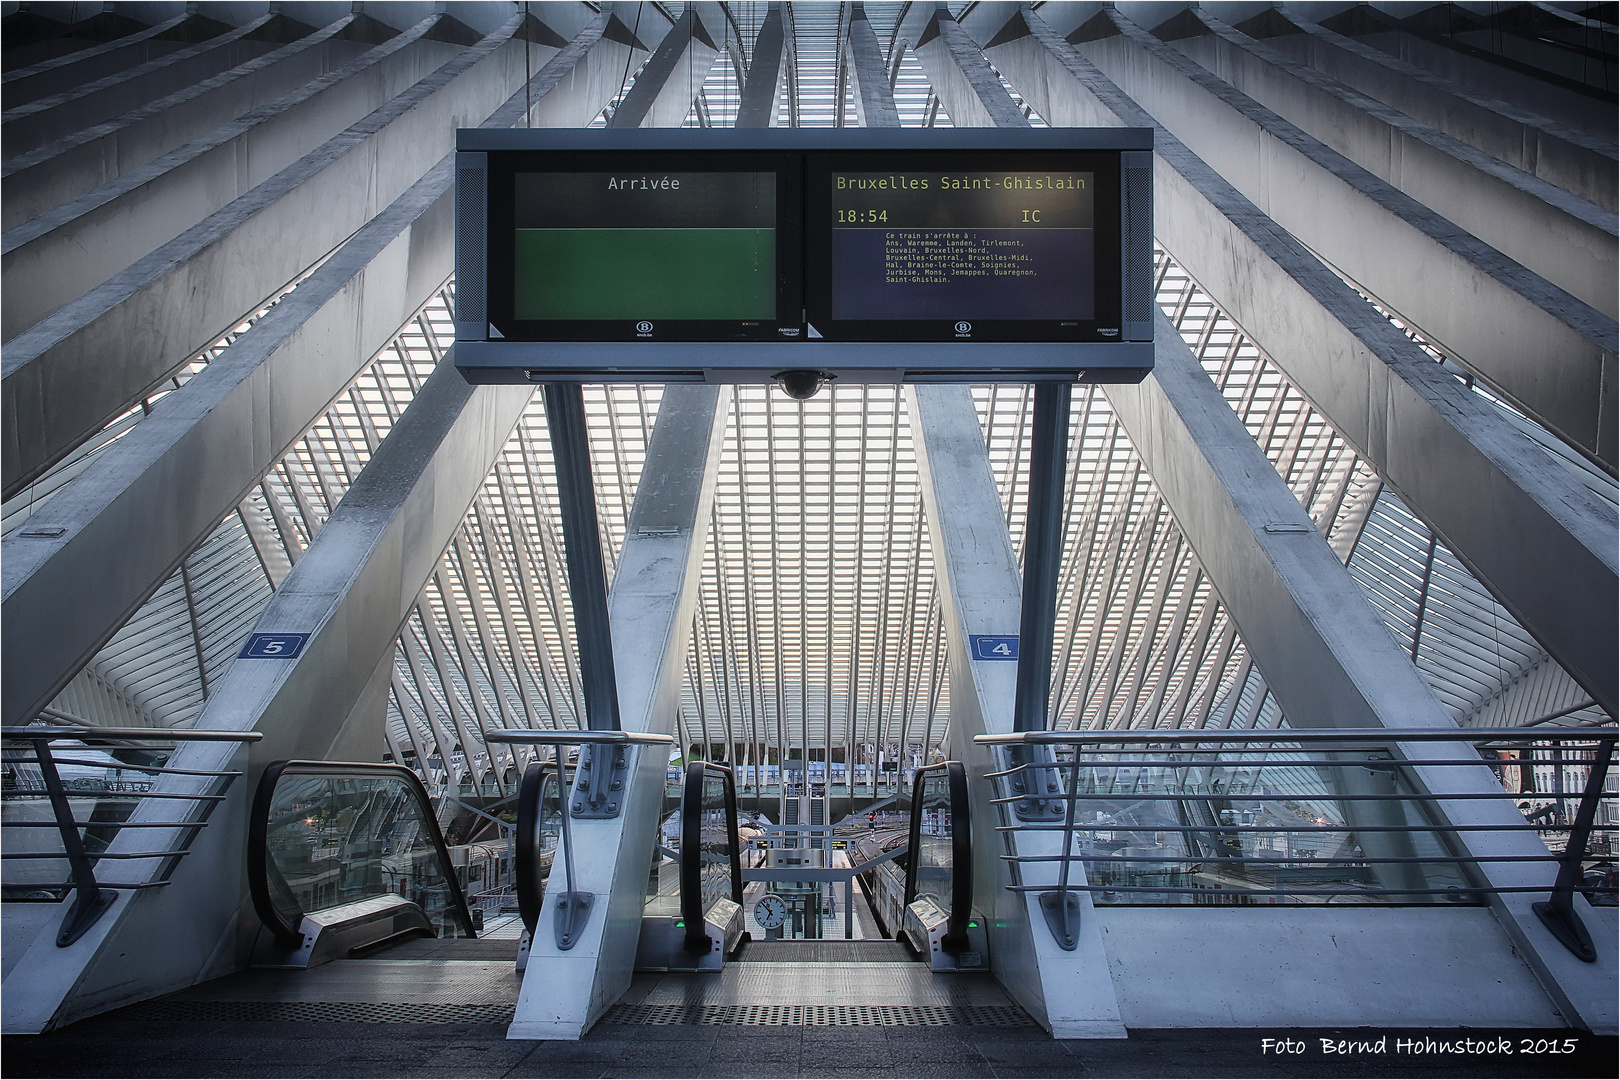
{"x": 273, "y": 646}
{"x": 994, "y": 646}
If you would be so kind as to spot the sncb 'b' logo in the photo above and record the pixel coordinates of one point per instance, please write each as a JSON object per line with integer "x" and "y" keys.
{"x": 643, "y": 327}
{"x": 964, "y": 327}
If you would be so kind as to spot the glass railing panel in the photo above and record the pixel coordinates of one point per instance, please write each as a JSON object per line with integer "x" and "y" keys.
{"x": 334, "y": 834}
{"x": 717, "y": 839}
{"x": 1302, "y": 826}
{"x": 932, "y": 854}
{"x": 711, "y": 866}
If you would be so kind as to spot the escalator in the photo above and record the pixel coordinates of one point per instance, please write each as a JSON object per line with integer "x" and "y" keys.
{"x": 693, "y": 916}
{"x": 937, "y": 919}
{"x": 345, "y": 859}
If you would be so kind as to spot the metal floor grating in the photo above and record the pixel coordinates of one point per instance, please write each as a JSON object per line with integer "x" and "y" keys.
{"x": 823, "y": 1015}
{"x": 330, "y": 1012}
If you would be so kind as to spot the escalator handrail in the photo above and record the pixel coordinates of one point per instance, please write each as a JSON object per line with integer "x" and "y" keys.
{"x": 258, "y": 852}
{"x": 531, "y": 890}
{"x": 961, "y": 850}
{"x": 692, "y": 912}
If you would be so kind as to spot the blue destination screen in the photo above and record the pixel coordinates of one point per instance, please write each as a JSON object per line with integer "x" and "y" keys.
{"x": 963, "y": 245}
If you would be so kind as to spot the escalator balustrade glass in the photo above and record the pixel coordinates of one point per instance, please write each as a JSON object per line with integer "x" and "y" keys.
{"x": 539, "y": 832}
{"x": 939, "y": 871}
{"x": 711, "y": 856}
{"x": 329, "y": 834}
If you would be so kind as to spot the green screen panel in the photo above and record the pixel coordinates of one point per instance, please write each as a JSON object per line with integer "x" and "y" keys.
{"x": 654, "y": 273}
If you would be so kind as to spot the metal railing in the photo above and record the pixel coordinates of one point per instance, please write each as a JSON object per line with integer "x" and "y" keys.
{"x": 598, "y": 791}
{"x": 30, "y": 746}
{"x": 1214, "y": 780}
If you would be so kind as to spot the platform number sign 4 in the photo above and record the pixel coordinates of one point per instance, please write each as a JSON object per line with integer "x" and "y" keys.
{"x": 273, "y": 646}
{"x": 994, "y": 646}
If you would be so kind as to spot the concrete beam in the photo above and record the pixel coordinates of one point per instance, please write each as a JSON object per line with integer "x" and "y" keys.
{"x": 1564, "y": 238}
{"x": 1550, "y": 353}
{"x": 1373, "y": 27}
{"x": 654, "y": 596}
{"x": 27, "y": 127}
{"x": 1069, "y": 993}
{"x": 352, "y": 591}
{"x": 1324, "y": 653}
{"x": 762, "y": 93}
{"x": 1574, "y": 160}
{"x": 74, "y": 163}
{"x": 666, "y": 87}
{"x": 957, "y": 68}
{"x": 49, "y": 77}
{"x": 874, "y": 96}
{"x": 1540, "y": 541}
{"x": 216, "y": 438}
{"x": 70, "y": 374}
{"x": 59, "y": 255}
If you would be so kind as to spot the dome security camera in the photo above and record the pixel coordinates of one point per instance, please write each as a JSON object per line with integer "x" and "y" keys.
{"x": 802, "y": 385}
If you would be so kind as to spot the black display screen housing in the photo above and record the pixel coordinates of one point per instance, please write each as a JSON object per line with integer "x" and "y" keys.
{"x": 645, "y": 246}
{"x": 960, "y": 245}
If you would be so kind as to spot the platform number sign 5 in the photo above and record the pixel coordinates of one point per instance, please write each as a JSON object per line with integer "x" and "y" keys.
{"x": 994, "y": 646}
{"x": 273, "y": 646}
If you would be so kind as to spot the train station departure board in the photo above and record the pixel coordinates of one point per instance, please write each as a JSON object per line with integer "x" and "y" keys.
{"x": 965, "y": 250}
{"x": 648, "y": 247}
{"x": 731, "y": 256}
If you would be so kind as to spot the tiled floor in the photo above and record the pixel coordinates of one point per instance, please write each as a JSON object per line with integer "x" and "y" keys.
{"x": 243, "y": 1026}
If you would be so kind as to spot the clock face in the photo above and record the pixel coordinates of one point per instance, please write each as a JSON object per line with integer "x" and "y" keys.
{"x": 771, "y": 911}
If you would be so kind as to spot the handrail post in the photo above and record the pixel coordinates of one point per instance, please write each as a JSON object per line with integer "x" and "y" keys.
{"x": 572, "y": 909}
{"x": 1062, "y": 907}
{"x": 1557, "y": 912}
{"x": 90, "y": 900}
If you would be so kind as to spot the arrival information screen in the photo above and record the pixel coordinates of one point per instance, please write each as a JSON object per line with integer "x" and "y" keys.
{"x": 653, "y": 245}
{"x": 963, "y": 245}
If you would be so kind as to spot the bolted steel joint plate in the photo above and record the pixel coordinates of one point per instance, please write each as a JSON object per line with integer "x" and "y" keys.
{"x": 1062, "y": 912}
{"x": 573, "y": 912}
{"x": 599, "y": 786}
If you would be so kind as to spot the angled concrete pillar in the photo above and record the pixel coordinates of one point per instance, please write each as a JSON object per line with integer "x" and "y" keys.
{"x": 664, "y": 91}
{"x": 62, "y": 253}
{"x": 1069, "y": 993}
{"x": 23, "y": 85}
{"x": 1548, "y": 351}
{"x": 80, "y": 106}
{"x": 874, "y": 96}
{"x": 73, "y": 163}
{"x": 1326, "y": 656}
{"x": 654, "y": 596}
{"x": 351, "y": 592}
{"x": 122, "y": 531}
{"x": 1564, "y": 238}
{"x": 762, "y": 93}
{"x": 1574, "y": 160}
{"x": 957, "y": 68}
{"x": 69, "y": 374}
{"x": 1541, "y": 542}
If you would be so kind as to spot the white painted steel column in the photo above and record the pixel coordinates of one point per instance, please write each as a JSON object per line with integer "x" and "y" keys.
{"x": 1324, "y": 653}
{"x": 1070, "y": 993}
{"x": 352, "y": 590}
{"x": 1540, "y": 541}
{"x": 654, "y": 595}
{"x": 122, "y": 531}
{"x": 666, "y": 87}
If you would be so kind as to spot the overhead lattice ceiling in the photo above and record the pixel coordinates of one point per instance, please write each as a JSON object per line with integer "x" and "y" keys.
{"x": 818, "y": 623}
